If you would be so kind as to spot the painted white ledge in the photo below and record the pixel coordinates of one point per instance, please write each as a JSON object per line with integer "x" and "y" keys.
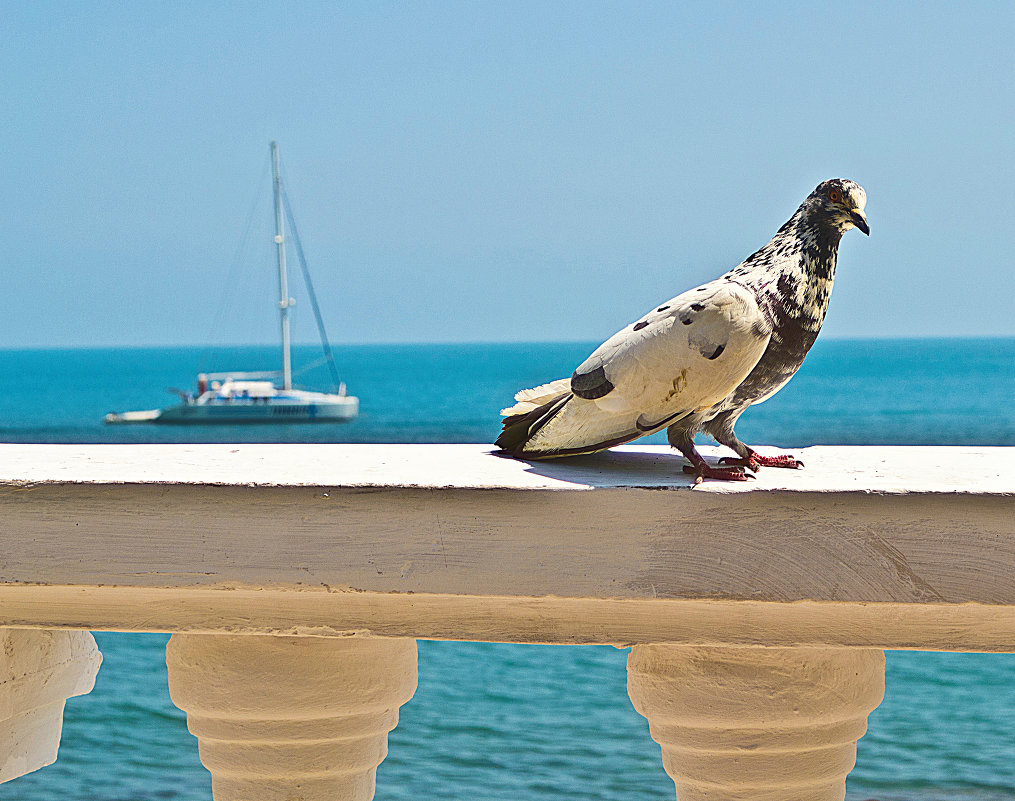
{"x": 867, "y": 546}
{"x": 977, "y": 471}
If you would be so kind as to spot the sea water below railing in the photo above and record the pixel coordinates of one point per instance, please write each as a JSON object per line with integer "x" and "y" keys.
{"x": 556, "y": 721}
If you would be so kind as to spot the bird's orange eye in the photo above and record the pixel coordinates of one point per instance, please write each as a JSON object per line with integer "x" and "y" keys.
{"x": 835, "y": 196}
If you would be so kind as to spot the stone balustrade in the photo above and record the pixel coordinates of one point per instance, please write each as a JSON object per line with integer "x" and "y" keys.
{"x": 296, "y": 579}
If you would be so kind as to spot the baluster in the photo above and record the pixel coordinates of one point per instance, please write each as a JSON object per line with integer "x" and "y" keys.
{"x": 39, "y": 670}
{"x": 756, "y": 724}
{"x": 283, "y": 718}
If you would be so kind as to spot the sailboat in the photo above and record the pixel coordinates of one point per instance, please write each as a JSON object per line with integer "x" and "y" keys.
{"x": 261, "y": 397}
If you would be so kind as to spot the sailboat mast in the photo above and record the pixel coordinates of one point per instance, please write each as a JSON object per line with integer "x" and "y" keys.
{"x": 285, "y": 302}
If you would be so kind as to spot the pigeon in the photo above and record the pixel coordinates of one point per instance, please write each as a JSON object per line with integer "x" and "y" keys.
{"x": 696, "y": 362}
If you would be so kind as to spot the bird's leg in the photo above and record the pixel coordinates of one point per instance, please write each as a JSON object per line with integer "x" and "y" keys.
{"x": 721, "y": 428}
{"x": 683, "y": 441}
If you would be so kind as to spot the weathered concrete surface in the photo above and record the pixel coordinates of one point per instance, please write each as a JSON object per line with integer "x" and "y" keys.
{"x": 867, "y": 548}
{"x": 880, "y": 547}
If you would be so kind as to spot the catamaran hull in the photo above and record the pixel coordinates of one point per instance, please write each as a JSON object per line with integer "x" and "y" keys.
{"x": 233, "y": 414}
{"x": 281, "y": 413}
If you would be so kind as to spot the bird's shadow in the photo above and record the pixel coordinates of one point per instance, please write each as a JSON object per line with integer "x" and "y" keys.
{"x": 614, "y": 469}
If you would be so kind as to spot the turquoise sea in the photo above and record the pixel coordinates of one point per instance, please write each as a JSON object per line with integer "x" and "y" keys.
{"x": 555, "y": 721}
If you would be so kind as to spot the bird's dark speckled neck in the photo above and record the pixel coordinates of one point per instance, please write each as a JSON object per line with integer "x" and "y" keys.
{"x": 793, "y": 272}
{"x": 819, "y": 238}
{"x": 792, "y": 278}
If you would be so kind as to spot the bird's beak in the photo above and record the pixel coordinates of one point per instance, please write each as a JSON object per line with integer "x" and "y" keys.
{"x": 860, "y": 221}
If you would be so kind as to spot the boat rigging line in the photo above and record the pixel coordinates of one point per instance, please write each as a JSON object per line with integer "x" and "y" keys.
{"x": 325, "y": 345}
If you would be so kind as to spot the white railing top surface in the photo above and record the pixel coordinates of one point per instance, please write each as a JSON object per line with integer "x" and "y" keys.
{"x": 967, "y": 470}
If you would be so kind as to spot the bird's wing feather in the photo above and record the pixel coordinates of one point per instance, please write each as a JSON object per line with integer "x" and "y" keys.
{"x": 684, "y": 357}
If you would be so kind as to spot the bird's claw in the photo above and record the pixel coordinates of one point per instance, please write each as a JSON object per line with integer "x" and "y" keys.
{"x": 736, "y": 461}
{"x": 704, "y": 471}
{"x": 756, "y": 461}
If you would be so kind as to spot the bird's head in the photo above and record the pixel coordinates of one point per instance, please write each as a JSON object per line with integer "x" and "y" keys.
{"x": 839, "y": 202}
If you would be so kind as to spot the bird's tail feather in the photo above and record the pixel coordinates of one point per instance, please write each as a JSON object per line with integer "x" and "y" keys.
{"x": 531, "y": 399}
{"x": 520, "y": 428}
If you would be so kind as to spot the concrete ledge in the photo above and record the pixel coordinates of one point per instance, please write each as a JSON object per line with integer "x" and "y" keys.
{"x": 873, "y": 547}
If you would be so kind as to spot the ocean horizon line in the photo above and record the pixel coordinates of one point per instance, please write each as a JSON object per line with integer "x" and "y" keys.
{"x": 463, "y": 343}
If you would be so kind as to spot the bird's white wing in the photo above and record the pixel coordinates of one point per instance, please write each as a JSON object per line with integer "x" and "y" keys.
{"x": 686, "y": 356}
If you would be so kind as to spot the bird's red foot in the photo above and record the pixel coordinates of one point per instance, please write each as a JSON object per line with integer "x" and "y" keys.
{"x": 704, "y": 470}
{"x": 755, "y": 461}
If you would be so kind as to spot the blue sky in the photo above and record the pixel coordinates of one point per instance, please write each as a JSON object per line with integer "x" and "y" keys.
{"x": 483, "y": 172}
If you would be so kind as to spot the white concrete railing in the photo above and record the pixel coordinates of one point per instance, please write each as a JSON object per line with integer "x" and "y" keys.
{"x": 347, "y": 554}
